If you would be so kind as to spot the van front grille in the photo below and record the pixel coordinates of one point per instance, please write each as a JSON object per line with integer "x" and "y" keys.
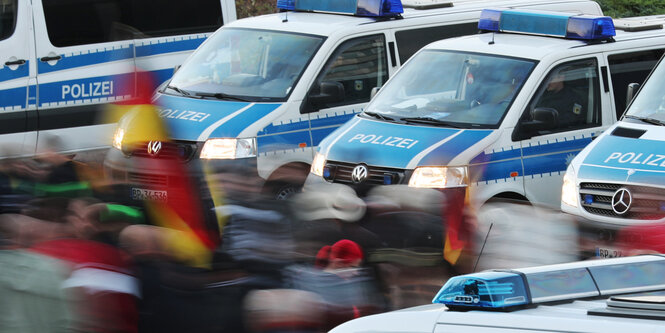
{"x": 648, "y": 203}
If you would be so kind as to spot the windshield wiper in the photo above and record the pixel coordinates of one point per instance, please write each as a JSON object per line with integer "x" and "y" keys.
{"x": 378, "y": 116}
{"x": 648, "y": 120}
{"x": 178, "y": 90}
{"x": 429, "y": 120}
{"x": 221, "y": 96}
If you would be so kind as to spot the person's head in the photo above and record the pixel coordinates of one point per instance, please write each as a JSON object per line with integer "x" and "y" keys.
{"x": 345, "y": 253}
{"x": 556, "y": 83}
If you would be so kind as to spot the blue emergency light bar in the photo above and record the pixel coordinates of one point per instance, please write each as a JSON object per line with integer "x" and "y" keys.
{"x": 510, "y": 289}
{"x": 492, "y": 290}
{"x": 573, "y": 26}
{"x": 371, "y": 8}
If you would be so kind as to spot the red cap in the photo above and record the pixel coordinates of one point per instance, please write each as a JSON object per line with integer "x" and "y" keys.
{"x": 346, "y": 250}
{"x": 321, "y": 260}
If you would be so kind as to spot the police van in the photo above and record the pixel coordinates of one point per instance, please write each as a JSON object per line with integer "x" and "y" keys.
{"x": 605, "y": 295}
{"x": 266, "y": 90}
{"x": 498, "y": 115}
{"x": 62, "y": 60}
{"x": 617, "y": 181}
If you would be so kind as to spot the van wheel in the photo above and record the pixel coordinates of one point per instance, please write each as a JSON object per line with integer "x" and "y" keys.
{"x": 283, "y": 190}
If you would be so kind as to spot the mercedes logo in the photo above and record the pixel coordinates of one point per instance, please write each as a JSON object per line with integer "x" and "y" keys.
{"x": 621, "y": 201}
{"x": 359, "y": 174}
{"x": 154, "y": 147}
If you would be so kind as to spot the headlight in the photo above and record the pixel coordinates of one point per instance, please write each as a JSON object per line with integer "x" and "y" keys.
{"x": 569, "y": 190}
{"x": 118, "y": 135}
{"x": 229, "y": 148}
{"x": 438, "y": 177}
{"x": 317, "y": 164}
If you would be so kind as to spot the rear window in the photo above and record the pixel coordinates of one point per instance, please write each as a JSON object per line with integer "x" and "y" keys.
{"x": 78, "y": 22}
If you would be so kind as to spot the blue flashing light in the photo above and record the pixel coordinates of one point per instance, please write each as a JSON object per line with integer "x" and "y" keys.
{"x": 573, "y": 26}
{"x": 326, "y": 173}
{"x": 372, "y": 8}
{"x": 286, "y": 4}
{"x": 588, "y": 199}
{"x": 488, "y": 290}
{"x": 387, "y": 179}
{"x": 661, "y": 206}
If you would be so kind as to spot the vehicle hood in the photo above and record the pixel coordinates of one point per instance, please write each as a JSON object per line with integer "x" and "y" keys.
{"x": 195, "y": 119}
{"x": 395, "y": 145}
{"x": 622, "y": 159}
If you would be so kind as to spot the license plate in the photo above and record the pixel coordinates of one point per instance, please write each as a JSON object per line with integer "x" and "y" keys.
{"x": 608, "y": 252}
{"x": 145, "y": 194}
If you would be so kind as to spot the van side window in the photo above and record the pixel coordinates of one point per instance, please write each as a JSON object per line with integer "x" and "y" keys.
{"x": 357, "y": 66}
{"x": 7, "y": 18}
{"x": 78, "y": 22}
{"x": 627, "y": 68}
{"x": 410, "y": 41}
{"x": 568, "y": 99}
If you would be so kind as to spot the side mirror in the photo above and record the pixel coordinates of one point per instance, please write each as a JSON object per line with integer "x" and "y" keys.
{"x": 329, "y": 92}
{"x": 631, "y": 90}
{"x": 374, "y": 91}
{"x": 543, "y": 119}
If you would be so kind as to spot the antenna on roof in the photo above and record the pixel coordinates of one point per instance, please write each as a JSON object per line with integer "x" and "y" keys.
{"x": 483, "y": 247}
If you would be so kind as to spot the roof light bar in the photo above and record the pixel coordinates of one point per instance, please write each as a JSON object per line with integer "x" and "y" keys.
{"x": 371, "y": 8}
{"x": 557, "y": 24}
{"x": 501, "y": 290}
{"x": 489, "y": 290}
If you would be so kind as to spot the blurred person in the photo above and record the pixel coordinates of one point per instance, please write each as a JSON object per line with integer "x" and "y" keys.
{"x": 347, "y": 288}
{"x": 322, "y": 257}
{"x": 30, "y": 284}
{"x": 515, "y": 234}
{"x": 327, "y": 213}
{"x": 101, "y": 285}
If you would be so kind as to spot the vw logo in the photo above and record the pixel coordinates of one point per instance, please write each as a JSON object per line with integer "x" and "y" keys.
{"x": 154, "y": 147}
{"x": 621, "y": 201}
{"x": 359, "y": 174}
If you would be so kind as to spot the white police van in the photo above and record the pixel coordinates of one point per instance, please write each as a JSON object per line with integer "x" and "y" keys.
{"x": 496, "y": 115}
{"x": 606, "y": 295}
{"x": 268, "y": 89}
{"x": 61, "y": 60}
{"x": 618, "y": 178}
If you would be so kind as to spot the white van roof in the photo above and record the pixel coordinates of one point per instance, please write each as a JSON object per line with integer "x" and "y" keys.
{"x": 324, "y": 24}
{"x": 537, "y": 47}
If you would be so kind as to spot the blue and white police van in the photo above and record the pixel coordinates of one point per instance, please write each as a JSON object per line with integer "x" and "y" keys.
{"x": 266, "y": 90}
{"x": 498, "y": 115}
{"x": 617, "y": 180}
{"x": 61, "y": 61}
{"x": 606, "y": 295}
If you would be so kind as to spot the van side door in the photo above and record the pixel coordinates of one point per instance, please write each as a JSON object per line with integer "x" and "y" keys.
{"x": 626, "y": 68}
{"x": 84, "y": 61}
{"x": 562, "y": 117}
{"x": 17, "y": 96}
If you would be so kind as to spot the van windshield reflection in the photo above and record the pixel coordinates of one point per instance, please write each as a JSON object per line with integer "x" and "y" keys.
{"x": 250, "y": 64}
{"x": 453, "y": 89}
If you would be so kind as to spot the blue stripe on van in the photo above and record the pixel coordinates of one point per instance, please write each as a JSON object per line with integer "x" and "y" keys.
{"x": 86, "y": 89}
{"x": 495, "y": 170}
{"x": 284, "y": 141}
{"x": 285, "y": 127}
{"x": 443, "y": 154}
{"x": 80, "y": 60}
{"x": 7, "y": 74}
{"x": 15, "y": 97}
{"x": 237, "y": 124}
{"x": 168, "y": 47}
{"x": 121, "y": 53}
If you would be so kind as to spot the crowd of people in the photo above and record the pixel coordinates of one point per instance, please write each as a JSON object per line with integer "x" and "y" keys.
{"x": 78, "y": 254}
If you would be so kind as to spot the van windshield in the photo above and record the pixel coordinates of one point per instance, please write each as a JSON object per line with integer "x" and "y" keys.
{"x": 649, "y": 104}
{"x": 454, "y": 89}
{"x": 256, "y": 65}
